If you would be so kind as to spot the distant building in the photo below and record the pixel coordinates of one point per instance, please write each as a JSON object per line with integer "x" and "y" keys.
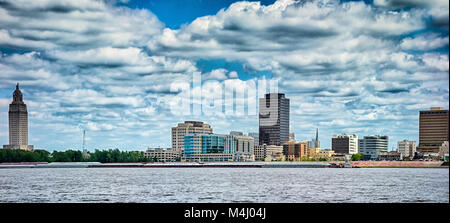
{"x": 236, "y": 133}
{"x": 313, "y": 153}
{"x": 392, "y": 155}
{"x": 326, "y": 153}
{"x": 273, "y": 119}
{"x": 433, "y": 130}
{"x": 163, "y": 155}
{"x": 18, "y": 123}
{"x": 269, "y": 153}
{"x": 188, "y": 127}
{"x": 291, "y": 136}
{"x": 345, "y": 143}
{"x": 314, "y": 143}
{"x": 255, "y": 136}
{"x": 244, "y": 148}
{"x": 295, "y": 150}
{"x": 372, "y": 146}
{"x": 443, "y": 151}
{"x": 406, "y": 148}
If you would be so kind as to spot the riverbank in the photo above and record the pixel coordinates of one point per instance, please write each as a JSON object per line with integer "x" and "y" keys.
{"x": 395, "y": 164}
{"x": 361, "y": 164}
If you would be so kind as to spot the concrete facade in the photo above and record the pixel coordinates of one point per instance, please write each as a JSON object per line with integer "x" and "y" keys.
{"x": 406, "y": 148}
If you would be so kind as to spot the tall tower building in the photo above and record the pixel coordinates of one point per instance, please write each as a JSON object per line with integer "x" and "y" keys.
{"x": 273, "y": 119}
{"x": 18, "y": 123}
{"x": 433, "y": 129}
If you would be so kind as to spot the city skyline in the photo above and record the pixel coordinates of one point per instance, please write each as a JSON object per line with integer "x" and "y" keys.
{"x": 112, "y": 76}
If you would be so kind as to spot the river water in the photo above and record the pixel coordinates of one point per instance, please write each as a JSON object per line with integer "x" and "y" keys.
{"x": 203, "y": 185}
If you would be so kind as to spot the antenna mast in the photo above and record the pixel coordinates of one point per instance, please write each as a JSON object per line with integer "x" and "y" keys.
{"x": 84, "y": 141}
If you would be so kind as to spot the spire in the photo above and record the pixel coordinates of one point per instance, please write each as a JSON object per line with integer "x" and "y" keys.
{"x": 17, "y": 86}
{"x": 317, "y": 134}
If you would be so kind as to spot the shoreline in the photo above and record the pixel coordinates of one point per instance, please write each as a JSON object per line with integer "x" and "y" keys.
{"x": 322, "y": 164}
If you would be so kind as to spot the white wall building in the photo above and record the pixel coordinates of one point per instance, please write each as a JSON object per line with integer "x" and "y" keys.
{"x": 406, "y": 148}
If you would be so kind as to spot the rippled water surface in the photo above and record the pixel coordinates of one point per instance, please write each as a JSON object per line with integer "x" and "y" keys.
{"x": 224, "y": 185}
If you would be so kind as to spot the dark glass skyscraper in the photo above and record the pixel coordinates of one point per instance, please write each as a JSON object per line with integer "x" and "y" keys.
{"x": 273, "y": 119}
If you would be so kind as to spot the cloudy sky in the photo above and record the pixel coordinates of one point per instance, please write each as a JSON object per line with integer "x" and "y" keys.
{"x": 108, "y": 66}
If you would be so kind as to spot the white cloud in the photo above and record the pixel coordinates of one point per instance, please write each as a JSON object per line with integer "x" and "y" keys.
{"x": 424, "y": 42}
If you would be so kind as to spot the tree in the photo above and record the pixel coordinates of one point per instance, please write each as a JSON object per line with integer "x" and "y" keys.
{"x": 357, "y": 157}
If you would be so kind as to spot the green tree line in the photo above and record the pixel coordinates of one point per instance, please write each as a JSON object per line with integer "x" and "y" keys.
{"x": 103, "y": 156}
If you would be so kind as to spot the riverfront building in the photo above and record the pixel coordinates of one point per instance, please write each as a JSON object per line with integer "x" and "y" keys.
{"x": 273, "y": 119}
{"x": 406, "y": 148}
{"x": 443, "y": 151}
{"x": 244, "y": 148}
{"x": 433, "y": 130}
{"x": 236, "y": 133}
{"x": 269, "y": 153}
{"x": 345, "y": 144}
{"x": 218, "y": 147}
{"x": 326, "y": 154}
{"x": 188, "y": 127}
{"x": 162, "y": 155}
{"x": 18, "y": 123}
{"x": 392, "y": 155}
{"x": 294, "y": 151}
{"x": 372, "y": 146}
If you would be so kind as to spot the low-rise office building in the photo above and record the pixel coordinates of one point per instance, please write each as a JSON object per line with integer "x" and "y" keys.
{"x": 269, "y": 153}
{"x": 218, "y": 147}
{"x": 326, "y": 154}
{"x": 313, "y": 153}
{"x": 372, "y": 146}
{"x": 392, "y": 155}
{"x": 294, "y": 151}
{"x": 162, "y": 155}
{"x": 406, "y": 148}
{"x": 244, "y": 148}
